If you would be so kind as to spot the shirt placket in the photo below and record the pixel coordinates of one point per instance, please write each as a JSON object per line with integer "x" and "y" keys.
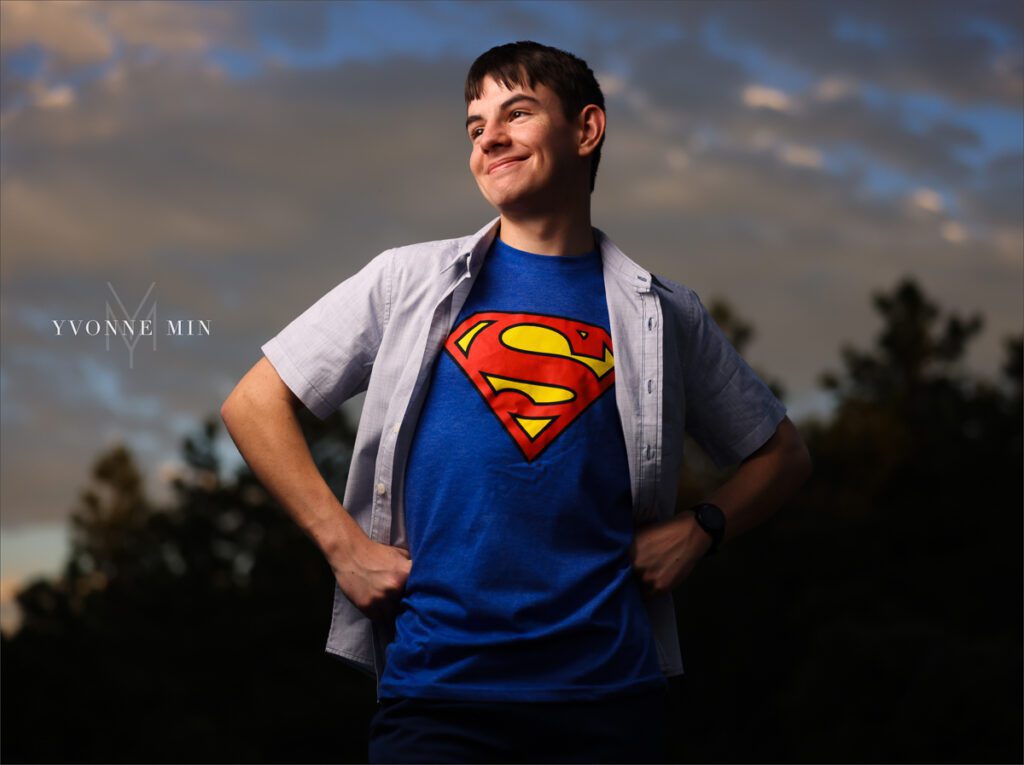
{"x": 650, "y": 426}
{"x": 393, "y": 453}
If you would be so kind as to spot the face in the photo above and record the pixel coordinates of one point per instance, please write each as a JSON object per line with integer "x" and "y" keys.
{"x": 525, "y": 154}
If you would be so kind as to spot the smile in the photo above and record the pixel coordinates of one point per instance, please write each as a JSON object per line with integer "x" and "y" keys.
{"x": 503, "y": 164}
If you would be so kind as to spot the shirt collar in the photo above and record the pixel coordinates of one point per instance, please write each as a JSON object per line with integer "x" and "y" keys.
{"x": 474, "y": 248}
{"x": 615, "y": 260}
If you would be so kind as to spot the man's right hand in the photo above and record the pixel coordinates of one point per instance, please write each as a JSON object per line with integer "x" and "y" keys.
{"x": 371, "y": 575}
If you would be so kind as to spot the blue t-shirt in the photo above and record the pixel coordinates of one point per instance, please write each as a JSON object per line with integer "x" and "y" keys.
{"x": 518, "y": 507}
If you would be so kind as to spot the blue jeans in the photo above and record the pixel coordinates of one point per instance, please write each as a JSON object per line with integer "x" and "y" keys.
{"x": 620, "y": 729}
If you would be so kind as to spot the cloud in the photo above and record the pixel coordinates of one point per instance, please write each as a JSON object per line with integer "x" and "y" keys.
{"x": 953, "y": 232}
{"x": 78, "y": 33}
{"x": 57, "y": 97}
{"x": 995, "y": 196}
{"x": 801, "y": 156}
{"x": 702, "y": 86}
{"x": 928, "y": 200}
{"x": 915, "y": 48}
{"x": 703, "y": 107}
{"x": 75, "y": 32}
{"x": 229, "y": 171}
{"x": 760, "y": 97}
{"x": 612, "y": 85}
{"x": 173, "y": 26}
{"x": 834, "y": 88}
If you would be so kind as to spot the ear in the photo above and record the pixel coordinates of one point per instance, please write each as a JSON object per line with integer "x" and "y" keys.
{"x": 590, "y": 125}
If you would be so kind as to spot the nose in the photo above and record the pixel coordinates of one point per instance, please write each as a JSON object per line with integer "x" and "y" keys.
{"x": 494, "y": 135}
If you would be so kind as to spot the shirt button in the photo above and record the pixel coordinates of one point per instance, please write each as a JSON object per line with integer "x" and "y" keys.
{"x": 395, "y": 429}
{"x": 382, "y": 489}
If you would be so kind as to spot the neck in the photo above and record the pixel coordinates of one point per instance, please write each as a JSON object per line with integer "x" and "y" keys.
{"x": 563, "y": 232}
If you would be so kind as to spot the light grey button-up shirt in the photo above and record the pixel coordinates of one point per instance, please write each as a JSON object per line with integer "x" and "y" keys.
{"x": 381, "y": 330}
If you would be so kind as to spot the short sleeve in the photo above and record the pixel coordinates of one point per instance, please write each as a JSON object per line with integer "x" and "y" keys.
{"x": 325, "y": 355}
{"x": 730, "y": 411}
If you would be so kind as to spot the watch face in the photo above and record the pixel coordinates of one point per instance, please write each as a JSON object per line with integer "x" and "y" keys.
{"x": 711, "y": 517}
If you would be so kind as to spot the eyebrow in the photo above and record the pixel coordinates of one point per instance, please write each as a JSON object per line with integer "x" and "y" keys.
{"x": 507, "y": 103}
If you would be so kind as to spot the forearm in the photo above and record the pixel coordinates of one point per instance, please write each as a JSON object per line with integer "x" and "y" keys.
{"x": 261, "y": 419}
{"x": 268, "y": 435}
{"x": 764, "y": 482}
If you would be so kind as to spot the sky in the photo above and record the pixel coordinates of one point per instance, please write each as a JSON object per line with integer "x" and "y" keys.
{"x": 231, "y": 162}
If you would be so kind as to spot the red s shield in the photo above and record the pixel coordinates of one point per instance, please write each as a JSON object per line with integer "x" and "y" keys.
{"x": 537, "y": 373}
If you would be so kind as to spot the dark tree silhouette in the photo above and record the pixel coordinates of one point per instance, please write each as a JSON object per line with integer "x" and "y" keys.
{"x": 877, "y": 618}
{"x": 190, "y": 633}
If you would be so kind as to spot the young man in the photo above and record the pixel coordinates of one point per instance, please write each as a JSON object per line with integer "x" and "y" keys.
{"x": 507, "y": 546}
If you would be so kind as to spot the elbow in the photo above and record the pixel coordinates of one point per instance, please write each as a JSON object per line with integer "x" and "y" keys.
{"x": 229, "y": 407}
{"x": 802, "y": 464}
{"x": 225, "y": 413}
{"x": 792, "y": 452}
{"x": 260, "y": 393}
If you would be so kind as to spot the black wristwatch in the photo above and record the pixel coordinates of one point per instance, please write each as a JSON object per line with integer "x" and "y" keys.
{"x": 712, "y": 520}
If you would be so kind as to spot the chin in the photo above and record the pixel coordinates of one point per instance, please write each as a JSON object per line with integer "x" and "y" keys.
{"x": 512, "y": 198}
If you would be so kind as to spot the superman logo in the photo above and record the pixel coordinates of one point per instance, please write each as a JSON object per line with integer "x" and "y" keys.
{"x": 537, "y": 373}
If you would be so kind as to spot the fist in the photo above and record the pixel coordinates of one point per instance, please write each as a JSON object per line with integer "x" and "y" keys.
{"x": 664, "y": 554}
{"x": 373, "y": 577}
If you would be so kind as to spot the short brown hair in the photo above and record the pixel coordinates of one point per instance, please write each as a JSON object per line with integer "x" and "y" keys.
{"x": 568, "y": 76}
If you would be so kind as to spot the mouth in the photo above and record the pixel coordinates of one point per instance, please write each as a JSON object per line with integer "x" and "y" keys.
{"x": 503, "y": 163}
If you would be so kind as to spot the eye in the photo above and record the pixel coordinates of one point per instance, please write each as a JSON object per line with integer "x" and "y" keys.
{"x": 514, "y": 112}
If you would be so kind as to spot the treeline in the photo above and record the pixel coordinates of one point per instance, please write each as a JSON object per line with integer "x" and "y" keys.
{"x": 876, "y": 618}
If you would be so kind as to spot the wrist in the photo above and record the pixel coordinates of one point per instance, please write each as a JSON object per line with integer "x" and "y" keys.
{"x": 695, "y": 537}
{"x": 706, "y": 542}
{"x": 338, "y": 536}
{"x": 711, "y": 521}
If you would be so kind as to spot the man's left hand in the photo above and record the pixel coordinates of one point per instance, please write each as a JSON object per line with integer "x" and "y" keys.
{"x": 665, "y": 553}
